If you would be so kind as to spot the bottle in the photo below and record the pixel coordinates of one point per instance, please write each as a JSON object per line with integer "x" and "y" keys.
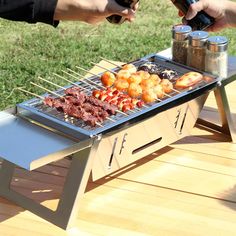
{"x": 197, "y": 49}
{"x": 201, "y": 21}
{"x": 180, "y": 43}
{"x": 116, "y": 19}
{"x": 217, "y": 56}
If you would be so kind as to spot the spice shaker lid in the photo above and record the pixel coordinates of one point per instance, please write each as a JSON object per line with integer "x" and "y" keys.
{"x": 217, "y": 43}
{"x": 181, "y": 32}
{"x": 198, "y": 38}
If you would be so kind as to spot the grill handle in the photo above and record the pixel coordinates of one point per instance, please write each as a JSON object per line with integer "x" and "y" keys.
{"x": 147, "y": 145}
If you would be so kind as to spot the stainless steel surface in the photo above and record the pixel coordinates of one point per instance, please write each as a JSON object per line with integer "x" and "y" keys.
{"x": 30, "y": 146}
{"x": 228, "y": 126}
{"x": 217, "y": 44}
{"x": 121, "y": 148}
{"x": 181, "y": 32}
{"x": 198, "y": 38}
{"x": 36, "y": 110}
{"x": 76, "y": 181}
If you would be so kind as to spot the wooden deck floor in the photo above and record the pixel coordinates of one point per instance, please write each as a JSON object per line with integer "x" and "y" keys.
{"x": 188, "y": 188}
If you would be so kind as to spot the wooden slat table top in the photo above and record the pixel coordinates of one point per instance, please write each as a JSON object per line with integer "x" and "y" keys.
{"x": 188, "y": 188}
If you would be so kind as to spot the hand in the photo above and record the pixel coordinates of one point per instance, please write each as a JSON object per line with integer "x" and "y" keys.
{"x": 223, "y": 11}
{"x": 91, "y": 11}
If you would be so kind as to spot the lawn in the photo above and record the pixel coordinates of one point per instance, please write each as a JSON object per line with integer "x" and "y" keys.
{"x": 28, "y": 51}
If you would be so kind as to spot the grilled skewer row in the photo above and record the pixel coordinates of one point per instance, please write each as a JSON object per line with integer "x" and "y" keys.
{"x": 138, "y": 84}
{"x": 114, "y": 97}
{"x": 77, "y": 104}
{"x": 149, "y": 87}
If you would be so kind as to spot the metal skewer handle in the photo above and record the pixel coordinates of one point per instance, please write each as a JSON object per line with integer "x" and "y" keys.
{"x": 116, "y": 19}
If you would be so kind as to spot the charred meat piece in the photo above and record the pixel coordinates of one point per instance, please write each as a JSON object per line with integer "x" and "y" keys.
{"x": 111, "y": 109}
{"x": 168, "y": 74}
{"x": 76, "y": 92}
{"x": 150, "y": 67}
{"x": 87, "y": 114}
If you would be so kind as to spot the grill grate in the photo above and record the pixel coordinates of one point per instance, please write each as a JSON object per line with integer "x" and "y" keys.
{"x": 36, "y": 105}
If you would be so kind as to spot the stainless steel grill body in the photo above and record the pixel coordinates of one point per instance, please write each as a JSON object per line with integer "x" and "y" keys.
{"x": 100, "y": 149}
{"x": 127, "y": 145}
{"x": 35, "y": 110}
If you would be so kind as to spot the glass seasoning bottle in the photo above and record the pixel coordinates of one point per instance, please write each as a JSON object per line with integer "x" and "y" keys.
{"x": 217, "y": 56}
{"x": 197, "y": 49}
{"x": 180, "y": 35}
{"x": 201, "y": 21}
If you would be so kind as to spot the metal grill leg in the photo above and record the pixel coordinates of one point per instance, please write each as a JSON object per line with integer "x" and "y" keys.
{"x": 75, "y": 185}
{"x": 74, "y": 188}
{"x": 6, "y": 173}
{"x": 227, "y": 125}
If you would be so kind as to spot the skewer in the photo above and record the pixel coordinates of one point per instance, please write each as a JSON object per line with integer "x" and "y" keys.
{"x": 85, "y": 82}
{"x": 121, "y": 68}
{"x": 75, "y": 77}
{"x": 96, "y": 84}
{"x": 104, "y": 68}
{"x": 112, "y": 63}
{"x": 61, "y": 77}
{"x": 56, "y": 94}
{"x": 167, "y": 95}
{"x": 175, "y": 90}
{"x": 87, "y": 79}
{"x": 34, "y": 94}
{"x": 41, "y": 97}
{"x": 118, "y": 111}
{"x": 51, "y": 83}
{"x": 65, "y": 89}
{"x": 82, "y": 81}
{"x": 91, "y": 73}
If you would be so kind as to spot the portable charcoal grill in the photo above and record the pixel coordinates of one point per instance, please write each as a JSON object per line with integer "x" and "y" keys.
{"x": 36, "y": 110}
{"x": 41, "y": 135}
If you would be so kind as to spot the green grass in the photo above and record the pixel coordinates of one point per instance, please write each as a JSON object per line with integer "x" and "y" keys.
{"x": 27, "y": 51}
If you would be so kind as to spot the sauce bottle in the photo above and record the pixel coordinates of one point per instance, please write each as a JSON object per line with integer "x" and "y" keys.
{"x": 201, "y": 21}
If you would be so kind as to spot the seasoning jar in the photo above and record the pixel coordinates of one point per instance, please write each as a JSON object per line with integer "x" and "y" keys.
{"x": 197, "y": 49}
{"x": 217, "y": 56}
{"x": 180, "y": 35}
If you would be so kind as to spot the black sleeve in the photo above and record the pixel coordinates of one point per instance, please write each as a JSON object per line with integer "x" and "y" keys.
{"x": 31, "y": 11}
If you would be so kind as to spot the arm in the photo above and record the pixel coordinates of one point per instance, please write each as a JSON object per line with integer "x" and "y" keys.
{"x": 92, "y": 11}
{"x": 51, "y": 11}
{"x": 223, "y": 11}
{"x": 31, "y": 11}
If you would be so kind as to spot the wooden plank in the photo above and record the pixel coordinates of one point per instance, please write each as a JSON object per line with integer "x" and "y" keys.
{"x": 155, "y": 209}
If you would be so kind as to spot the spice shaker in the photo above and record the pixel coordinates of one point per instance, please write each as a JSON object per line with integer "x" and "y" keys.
{"x": 180, "y": 35}
{"x": 197, "y": 49}
{"x": 201, "y": 21}
{"x": 217, "y": 56}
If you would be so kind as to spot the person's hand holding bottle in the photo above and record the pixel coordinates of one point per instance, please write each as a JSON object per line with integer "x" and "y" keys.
{"x": 223, "y": 11}
{"x": 93, "y": 11}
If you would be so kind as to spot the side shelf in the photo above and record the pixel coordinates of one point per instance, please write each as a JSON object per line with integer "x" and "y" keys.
{"x": 30, "y": 146}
